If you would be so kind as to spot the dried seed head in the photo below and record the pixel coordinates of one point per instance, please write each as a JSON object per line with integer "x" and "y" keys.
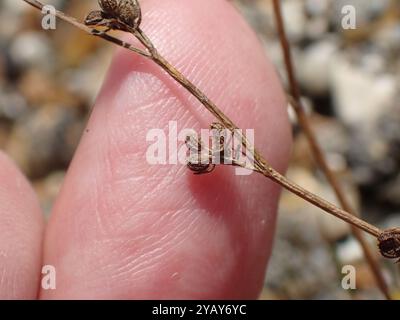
{"x": 200, "y": 159}
{"x": 200, "y": 163}
{"x": 129, "y": 12}
{"x": 122, "y": 15}
{"x": 94, "y": 18}
{"x": 194, "y": 144}
{"x": 201, "y": 169}
{"x": 218, "y": 126}
{"x": 389, "y": 243}
{"x": 109, "y": 6}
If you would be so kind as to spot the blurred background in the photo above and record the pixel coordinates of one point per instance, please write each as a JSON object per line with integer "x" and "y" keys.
{"x": 350, "y": 83}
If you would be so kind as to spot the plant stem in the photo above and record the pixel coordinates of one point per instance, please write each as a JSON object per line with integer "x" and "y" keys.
{"x": 264, "y": 169}
{"x": 261, "y": 165}
{"x": 317, "y": 151}
{"x": 61, "y": 15}
{"x": 322, "y": 203}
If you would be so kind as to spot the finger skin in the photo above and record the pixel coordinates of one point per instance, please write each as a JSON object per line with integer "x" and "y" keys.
{"x": 21, "y": 231}
{"x": 122, "y": 228}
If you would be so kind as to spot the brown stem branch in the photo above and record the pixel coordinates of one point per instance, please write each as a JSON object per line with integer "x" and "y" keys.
{"x": 265, "y": 169}
{"x": 91, "y": 31}
{"x": 317, "y": 151}
{"x": 261, "y": 165}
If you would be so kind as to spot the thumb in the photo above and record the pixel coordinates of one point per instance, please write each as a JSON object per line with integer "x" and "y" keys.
{"x": 122, "y": 228}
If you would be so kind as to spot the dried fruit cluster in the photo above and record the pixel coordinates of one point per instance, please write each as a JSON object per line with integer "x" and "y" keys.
{"x": 119, "y": 15}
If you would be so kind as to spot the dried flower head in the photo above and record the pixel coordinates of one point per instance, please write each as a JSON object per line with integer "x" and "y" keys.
{"x": 116, "y": 14}
{"x": 389, "y": 243}
{"x": 94, "y": 18}
{"x": 200, "y": 158}
{"x": 203, "y": 159}
{"x": 129, "y": 12}
{"x": 108, "y": 6}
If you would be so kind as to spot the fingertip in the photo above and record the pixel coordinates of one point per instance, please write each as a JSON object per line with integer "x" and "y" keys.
{"x": 21, "y": 230}
{"x": 131, "y": 227}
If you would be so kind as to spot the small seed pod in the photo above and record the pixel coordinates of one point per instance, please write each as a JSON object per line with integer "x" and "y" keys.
{"x": 389, "y": 243}
{"x": 193, "y": 143}
{"x": 129, "y": 12}
{"x": 199, "y": 161}
{"x": 94, "y": 18}
{"x": 109, "y": 6}
{"x": 200, "y": 165}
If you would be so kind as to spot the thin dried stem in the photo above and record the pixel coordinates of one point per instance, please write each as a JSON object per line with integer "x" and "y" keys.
{"x": 91, "y": 31}
{"x": 260, "y": 164}
{"x": 262, "y": 167}
{"x": 317, "y": 151}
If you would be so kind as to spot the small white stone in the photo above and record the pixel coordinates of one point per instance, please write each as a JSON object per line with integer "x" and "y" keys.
{"x": 349, "y": 252}
{"x": 31, "y": 49}
{"x": 365, "y": 10}
{"x": 295, "y": 19}
{"x": 313, "y": 66}
{"x": 317, "y": 7}
{"x": 360, "y": 97}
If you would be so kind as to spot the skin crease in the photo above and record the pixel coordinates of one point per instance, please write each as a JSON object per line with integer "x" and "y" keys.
{"x": 124, "y": 229}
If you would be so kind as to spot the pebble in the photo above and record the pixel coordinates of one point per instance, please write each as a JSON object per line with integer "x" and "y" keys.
{"x": 349, "y": 252}
{"x": 366, "y": 11}
{"x": 301, "y": 265}
{"x": 314, "y": 65}
{"x": 12, "y": 104}
{"x": 32, "y": 49}
{"x": 44, "y": 139}
{"x": 293, "y": 11}
{"x": 374, "y": 155}
{"x": 360, "y": 97}
{"x": 390, "y": 192}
